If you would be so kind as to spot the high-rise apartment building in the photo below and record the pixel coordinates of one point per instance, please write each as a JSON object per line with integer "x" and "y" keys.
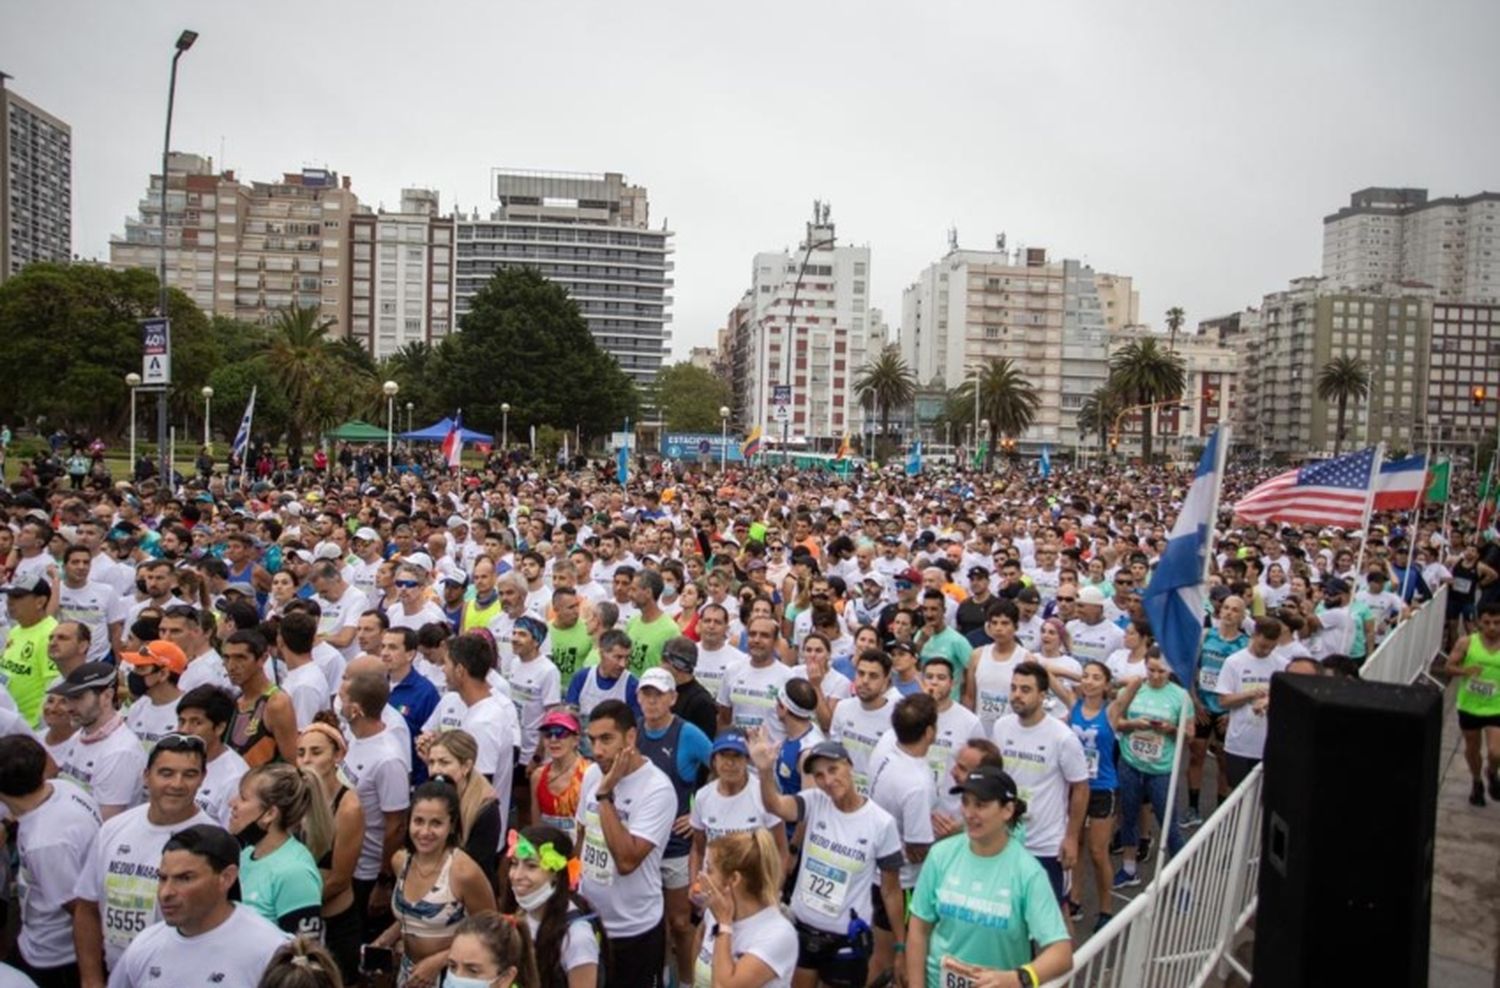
{"x": 1388, "y": 236}
{"x": 401, "y": 275}
{"x": 591, "y": 235}
{"x": 246, "y": 251}
{"x": 36, "y": 184}
{"x": 1301, "y": 330}
{"x": 1046, "y": 316}
{"x": 1465, "y": 354}
{"x": 812, "y": 338}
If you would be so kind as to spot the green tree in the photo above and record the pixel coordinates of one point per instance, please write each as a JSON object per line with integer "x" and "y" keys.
{"x": 1175, "y": 318}
{"x": 690, "y": 397}
{"x": 1339, "y": 380}
{"x": 1006, "y": 398}
{"x": 523, "y": 341}
{"x": 1144, "y": 374}
{"x": 324, "y": 381}
{"x": 1096, "y": 416}
{"x": 886, "y": 383}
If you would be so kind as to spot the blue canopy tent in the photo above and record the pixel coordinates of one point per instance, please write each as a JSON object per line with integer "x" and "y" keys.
{"x": 438, "y": 431}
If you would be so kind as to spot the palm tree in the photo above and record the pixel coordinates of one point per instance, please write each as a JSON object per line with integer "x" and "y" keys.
{"x": 1096, "y": 416}
{"x": 317, "y": 375}
{"x": 1175, "y": 318}
{"x": 1340, "y": 379}
{"x": 886, "y": 383}
{"x": 1144, "y": 373}
{"x": 1006, "y": 398}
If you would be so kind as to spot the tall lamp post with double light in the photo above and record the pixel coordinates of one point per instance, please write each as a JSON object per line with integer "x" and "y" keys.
{"x": 723, "y": 437}
{"x": 390, "y": 388}
{"x": 184, "y": 42}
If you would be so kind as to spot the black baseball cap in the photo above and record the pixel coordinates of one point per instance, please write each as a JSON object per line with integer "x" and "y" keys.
{"x": 89, "y": 676}
{"x": 827, "y": 749}
{"x": 989, "y": 783}
{"x": 681, "y": 653}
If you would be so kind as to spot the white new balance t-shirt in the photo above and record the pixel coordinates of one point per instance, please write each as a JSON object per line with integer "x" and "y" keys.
{"x": 1044, "y": 760}
{"x": 1094, "y": 641}
{"x": 712, "y": 665}
{"x": 646, "y": 803}
{"x": 221, "y": 780}
{"x": 93, "y": 605}
{"x": 859, "y": 730}
{"x": 110, "y": 769}
{"x": 495, "y": 728}
{"x": 52, "y": 842}
{"x": 716, "y": 814}
{"x": 902, "y": 785}
{"x": 750, "y": 693}
{"x": 233, "y": 954}
{"x": 841, "y": 854}
{"x": 374, "y": 770}
{"x": 150, "y": 720}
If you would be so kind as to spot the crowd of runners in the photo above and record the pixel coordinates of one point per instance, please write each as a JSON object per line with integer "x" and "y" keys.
{"x": 541, "y": 728}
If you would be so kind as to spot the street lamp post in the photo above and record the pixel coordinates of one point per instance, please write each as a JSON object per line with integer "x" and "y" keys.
{"x": 982, "y": 434}
{"x": 390, "y": 388}
{"x": 133, "y": 381}
{"x": 184, "y": 42}
{"x": 723, "y": 437}
{"x": 504, "y": 424}
{"x": 409, "y": 407}
{"x": 208, "y": 399}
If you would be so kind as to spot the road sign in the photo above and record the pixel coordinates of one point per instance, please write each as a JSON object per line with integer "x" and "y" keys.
{"x": 156, "y": 351}
{"x": 781, "y": 402}
{"x": 687, "y": 445}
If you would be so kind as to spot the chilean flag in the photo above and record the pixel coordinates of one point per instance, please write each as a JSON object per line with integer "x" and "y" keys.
{"x": 1400, "y": 484}
{"x": 453, "y": 442}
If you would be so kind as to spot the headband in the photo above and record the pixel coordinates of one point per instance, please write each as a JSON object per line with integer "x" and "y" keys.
{"x": 792, "y": 706}
{"x": 518, "y": 847}
{"x": 319, "y": 727}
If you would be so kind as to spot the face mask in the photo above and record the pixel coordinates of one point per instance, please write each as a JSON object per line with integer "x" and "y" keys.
{"x": 451, "y": 980}
{"x": 537, "y": 899}
{"x": 668, "y": 589}
{"x": 137, "y": 684}
{"x": 251, "y": 834}
{"x": 140, "y": 586}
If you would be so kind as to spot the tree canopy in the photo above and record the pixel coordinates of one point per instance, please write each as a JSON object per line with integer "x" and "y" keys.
{"x": 690, "y": 397}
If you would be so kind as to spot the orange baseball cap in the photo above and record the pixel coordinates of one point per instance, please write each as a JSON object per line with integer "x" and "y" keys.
{"x": 158, "y": 653}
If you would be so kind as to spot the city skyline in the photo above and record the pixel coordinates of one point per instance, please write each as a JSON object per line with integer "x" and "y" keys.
{"x": 1195, "y": 150}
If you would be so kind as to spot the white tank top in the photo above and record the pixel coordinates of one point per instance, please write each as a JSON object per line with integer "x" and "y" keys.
{"x": 992, "y": 684}
{"x": 591, "y": 694}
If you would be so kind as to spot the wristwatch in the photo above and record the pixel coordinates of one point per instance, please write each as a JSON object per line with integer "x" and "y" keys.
{"x": 605, "y": 797}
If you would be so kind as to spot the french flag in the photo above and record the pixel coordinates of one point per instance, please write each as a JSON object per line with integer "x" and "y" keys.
{"x": 453, "y": 442}
{"x": 1399, "y": 486}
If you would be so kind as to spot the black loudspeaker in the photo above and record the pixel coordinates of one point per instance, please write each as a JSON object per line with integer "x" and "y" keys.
{"x": 1350, "y": 807}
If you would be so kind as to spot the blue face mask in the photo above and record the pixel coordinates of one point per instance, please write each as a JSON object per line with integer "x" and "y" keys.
{"x": 451, "y": 980}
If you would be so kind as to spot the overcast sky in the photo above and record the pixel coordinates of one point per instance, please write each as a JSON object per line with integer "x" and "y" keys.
{"x": 1193, "y": 145}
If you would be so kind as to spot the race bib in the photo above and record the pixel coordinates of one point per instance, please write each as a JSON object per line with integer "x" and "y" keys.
{"x": 128, "y": 908}
{"x": 822, "y": 884}
{"x": 1091, "y": 756}
{"x": 597, "y": 864}
{"x": 1481, "y": 687}
{"x": 1208, "y": 679}
{"x": 862, "y": 783}
{"x": 953, "y": 979}
{"x": 1462, "y": 584}
{"x": 993, "y": 705}
{"x": 1146, "y": 746}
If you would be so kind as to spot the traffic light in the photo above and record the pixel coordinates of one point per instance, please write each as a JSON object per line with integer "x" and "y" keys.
{"x": 1477, "y": 393}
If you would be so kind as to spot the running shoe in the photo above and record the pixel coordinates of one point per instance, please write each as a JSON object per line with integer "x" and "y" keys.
{"x": 1126, "y": 879}
{"x": 1192, "y": 818}
{"x": 1476, "y": 794}
{"x": 1074, "y": 910}
{"x": 1143, "y": 849}
{"x": 1102, "y": 921}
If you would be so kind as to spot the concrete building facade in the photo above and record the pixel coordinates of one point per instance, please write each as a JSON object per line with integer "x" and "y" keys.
{"x": 36, "y": 184}
{"x": 1211, "y": 391}
{"x": 1390, "y": 235}
{"x": 826, "y": 334}
{"x": 1465, "y": 354}
{"x": 401, "y": 275}
{"x": 1046, "y": 316}
{"x": 591, "y": 235}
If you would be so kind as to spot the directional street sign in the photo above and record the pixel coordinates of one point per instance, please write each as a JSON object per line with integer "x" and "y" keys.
{"x": 156, "y": 356}
{"x": 781, "y": 402}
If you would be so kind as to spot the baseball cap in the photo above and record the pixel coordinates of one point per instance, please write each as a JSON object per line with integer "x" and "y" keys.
{"x": 367, "y": 534}
{"x": 1029, "y": 595}
{"x": 1336, "y": 585}
{"x": 896, "y": 645}
{"x": 731, "y": 741}
{"x": 827, "y": 749}
{"x": 327, "y": 550}
{"x": 909, "y": 575}
{"x": 989, "y": 783}
{"x": 420, "y": 559}
{"x": 1091, "y": 595}
{"x": 561, "y": 718}
{"x": 456, "y": 521}
{"x": 680, "y": 652}
{"x": 89, "y": 676}
{"x": 458, "y": 579}
{"x": 158, "y": 653}
{"x": 658, "y": 679}
{"x": 978, "y": 571}
{"x": 28, "y": 584}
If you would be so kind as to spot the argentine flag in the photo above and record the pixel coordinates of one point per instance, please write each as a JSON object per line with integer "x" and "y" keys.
{"x": 1175, "y": 597}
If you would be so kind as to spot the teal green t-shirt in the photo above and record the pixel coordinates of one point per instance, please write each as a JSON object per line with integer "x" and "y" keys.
{"x": 282, "y": 882}
{"x": 1150, "y": 751}
{"x": 956, "y": 649}
{"x": 985, "y": 910}
{"x": 1361, "y": 613}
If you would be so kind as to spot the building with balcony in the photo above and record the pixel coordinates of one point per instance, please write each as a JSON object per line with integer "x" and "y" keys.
{"x": 803, "y": 324}
{"x": 1046, "y": 316}
{"x": 1211, "y": 389}
{"x": 589, "y": 234}
{"x": 401, "y": 275}
{"x": 36, "y": 184}
{"x": 1390, "y": 235}
{"x": 1465, "y": 354}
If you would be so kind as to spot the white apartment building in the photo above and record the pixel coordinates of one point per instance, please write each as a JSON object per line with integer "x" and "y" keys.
{"x": 36, "y": 184}
{"x": 826, "y": 332}
{"x": 1388, "y": 235}
{"x": 401, "y": 275}
{"x": 1046, "y": 316}
{"x": 589, "y": 234}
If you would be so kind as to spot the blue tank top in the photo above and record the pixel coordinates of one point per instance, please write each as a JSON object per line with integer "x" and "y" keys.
{"x": 1216, "y": 649}
{"x": 662, "y": 751}
{"x": 1098, "y": 739}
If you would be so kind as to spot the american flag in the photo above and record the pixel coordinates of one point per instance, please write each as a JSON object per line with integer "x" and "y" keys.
{"x": 1333, "y": 492}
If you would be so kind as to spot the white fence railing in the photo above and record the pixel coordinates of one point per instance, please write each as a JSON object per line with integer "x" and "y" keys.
{"x": 1181, "y": 931}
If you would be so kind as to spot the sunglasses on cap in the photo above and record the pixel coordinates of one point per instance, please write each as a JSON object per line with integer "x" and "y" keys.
{"x": 181, "y": 742}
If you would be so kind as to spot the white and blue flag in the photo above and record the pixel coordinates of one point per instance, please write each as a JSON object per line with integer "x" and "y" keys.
{"x": 1174, "y": 599}
{"x": 242, "y": 438}
{"x": 1045, "y": 464}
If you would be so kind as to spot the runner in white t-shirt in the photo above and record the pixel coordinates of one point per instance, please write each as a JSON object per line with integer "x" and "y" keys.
{"x": 715, "y": 655}
{"x": 375, "y": 770}
{"x": 1243, "y": 686}
{"x": 747, "y": 695}
{"x": 987, "y": 686}
{"x": 206, "y": 712}
{"x": 744, "y": 938}
{"x": 860, "y": 721}
{"x": 152, "y": 679}
{"x": 730, "y": 802}
{"x": 104, "y": 758}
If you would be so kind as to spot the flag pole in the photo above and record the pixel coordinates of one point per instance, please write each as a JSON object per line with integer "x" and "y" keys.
{"x": 1416, "y": 526}
{"x": 1209, "y": 545}
{"x": 1364, "y": 525}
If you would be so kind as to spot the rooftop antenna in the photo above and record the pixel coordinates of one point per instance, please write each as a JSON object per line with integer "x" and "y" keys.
{"x": 952, "y": 238}
{"x": 1000, "y": 241}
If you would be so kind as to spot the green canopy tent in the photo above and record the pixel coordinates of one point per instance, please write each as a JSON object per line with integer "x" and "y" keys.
{"x": 356, "y": 431}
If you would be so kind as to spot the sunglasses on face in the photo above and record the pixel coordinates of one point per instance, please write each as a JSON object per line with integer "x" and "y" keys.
{"x": 556, "y": 733}
{"x": 407, "y": 584}
{"x": 1067, "y": 600}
